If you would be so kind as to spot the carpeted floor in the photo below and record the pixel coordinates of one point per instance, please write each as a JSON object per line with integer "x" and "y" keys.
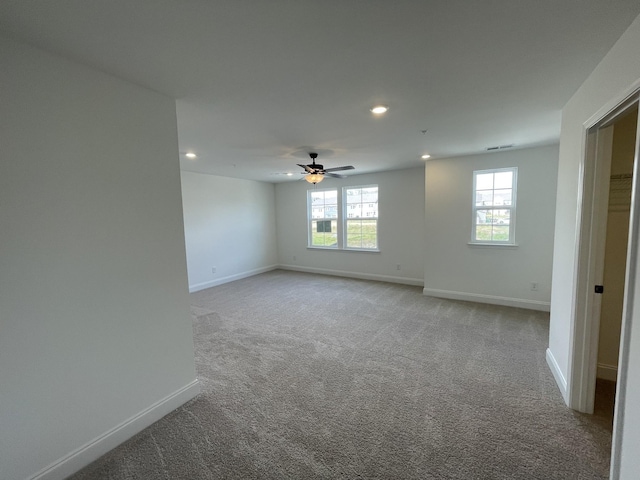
{"x": 317, "y": 377}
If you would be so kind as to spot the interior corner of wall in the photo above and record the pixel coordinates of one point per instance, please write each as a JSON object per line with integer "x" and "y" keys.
{"x": 561, "y": 381}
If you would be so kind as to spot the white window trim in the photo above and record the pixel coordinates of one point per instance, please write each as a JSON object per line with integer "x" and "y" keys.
{"x": 511, "y": 242}
{"x": 341, "y": 221}
{"x": 310, "y": 220}
{"x": 345, "y": 218}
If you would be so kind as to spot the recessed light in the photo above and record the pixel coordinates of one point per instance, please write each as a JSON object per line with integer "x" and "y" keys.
{"x": 425, "y": 156}
{"x": 190, "y": 155}
{"x": 289, "y": 174}
{"x": 379, "y": 109}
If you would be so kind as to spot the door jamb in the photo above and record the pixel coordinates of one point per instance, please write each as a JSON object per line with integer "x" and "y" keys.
{"x": 582, "y": 367}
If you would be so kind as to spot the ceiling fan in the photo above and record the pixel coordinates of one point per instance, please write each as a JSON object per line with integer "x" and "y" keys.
{"x": 315, "y": 172}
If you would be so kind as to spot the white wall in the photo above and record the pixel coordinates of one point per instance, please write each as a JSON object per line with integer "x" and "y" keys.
{"x": 401, "y": 229}
{"x": 95, "y": 333}
{"x": 616, "y": 76}
{"x": 230, "y": 224}
{"x": 491, "y": 274}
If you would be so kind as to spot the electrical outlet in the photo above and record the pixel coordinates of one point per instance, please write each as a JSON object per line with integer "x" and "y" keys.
{"x": 534, "y": 286}
{"x": 398, "y": 267}
{"x": 294, "y": 258}
{"x": 213, "y": 269}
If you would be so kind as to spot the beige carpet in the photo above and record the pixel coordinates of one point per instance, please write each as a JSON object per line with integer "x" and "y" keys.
{"x": 314, "y": 377}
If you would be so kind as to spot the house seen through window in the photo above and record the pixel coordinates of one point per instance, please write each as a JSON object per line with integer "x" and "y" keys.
{"x": 344, "y": 218}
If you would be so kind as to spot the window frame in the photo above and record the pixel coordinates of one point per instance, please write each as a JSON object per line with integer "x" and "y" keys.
{"x": 511, "y": 241}
{"x": 341, "y": 219}
{"x": 310, "y": 219}
{"x": 346, "y": 218}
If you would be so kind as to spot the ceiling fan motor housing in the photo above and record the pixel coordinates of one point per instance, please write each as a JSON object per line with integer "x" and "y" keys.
{"x": 313, "y": 164}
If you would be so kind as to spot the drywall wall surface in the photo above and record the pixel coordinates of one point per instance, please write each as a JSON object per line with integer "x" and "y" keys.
{"x": 230, "y": 228}
{"x": 615, "y": 77}
{"x": 94, "y": 318}
{"x": 493, "y": 274}
{"x": 401, "y": 229}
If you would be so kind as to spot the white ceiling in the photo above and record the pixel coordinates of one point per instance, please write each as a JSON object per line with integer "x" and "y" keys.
{"x": 259, "y": 83}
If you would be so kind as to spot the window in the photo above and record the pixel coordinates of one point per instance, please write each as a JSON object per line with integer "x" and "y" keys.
{"x": 343, "y": 219}
{"x": 362, "y": 217}
{"x": 494, "y": 206}
{"x": 323, "y": 218}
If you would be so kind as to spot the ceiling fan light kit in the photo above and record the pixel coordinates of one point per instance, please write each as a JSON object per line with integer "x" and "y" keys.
{"x": 314, "y": 178}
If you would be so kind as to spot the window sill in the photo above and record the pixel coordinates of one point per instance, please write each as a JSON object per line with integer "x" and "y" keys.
{"x": 480, "y": 244}
{"x": 356, "y": 250}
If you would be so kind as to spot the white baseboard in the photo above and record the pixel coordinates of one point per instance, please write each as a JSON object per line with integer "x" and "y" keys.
{"x": 83, "y": 456}
{"x": 491, "y": 299}
{"x": 557, "y": 374}
{"x": 418, "y": 282}
{"x": 230, "y": 278}
{"x": 607, "y": 372}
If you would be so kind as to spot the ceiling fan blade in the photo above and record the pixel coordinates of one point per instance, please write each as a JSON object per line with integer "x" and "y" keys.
{"x": 306, "y": 167}
{"x": 336, "y": 169}
{"x": 335, "y": 175}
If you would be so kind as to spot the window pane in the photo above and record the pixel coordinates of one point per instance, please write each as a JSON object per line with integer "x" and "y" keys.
{"x": 484, "y": 197}
{"x": 317, "y": 239}
{"x": 354, "y": 233}
{"x": 324, "y": 233}
{"x": 331, "y": 211}
{"x": 370, "y": 195}
{"x": 501, "y": 217}
{"x": 317, "y": 198}
{"x": 483, "y": 217}
{"x": 483, "y": 232}
{"x": 503, "y": 180}
{"x": 369, "y": 234}
{"x": 369, "y": 210}
{"x": 484, "y": 181}
{"x": 500, "y": 233}
{"x": 354, "y": 236}
{"x": 324, "y": 204}
{"x": 317, "y": 212}
{"x": 502, "y": 197}
{"x": 354, "y": 195}
{"x": 354, "y": 210}
{"x": 362, "y": 234}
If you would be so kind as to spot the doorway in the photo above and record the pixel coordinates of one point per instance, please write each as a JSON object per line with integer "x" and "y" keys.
{"x": 621, "y": 152}
{"x": 594, "y": 205}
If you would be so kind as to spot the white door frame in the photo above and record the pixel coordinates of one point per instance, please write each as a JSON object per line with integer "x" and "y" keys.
{"x": 592, "y": 238}
{"x": 589, "y": 262}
